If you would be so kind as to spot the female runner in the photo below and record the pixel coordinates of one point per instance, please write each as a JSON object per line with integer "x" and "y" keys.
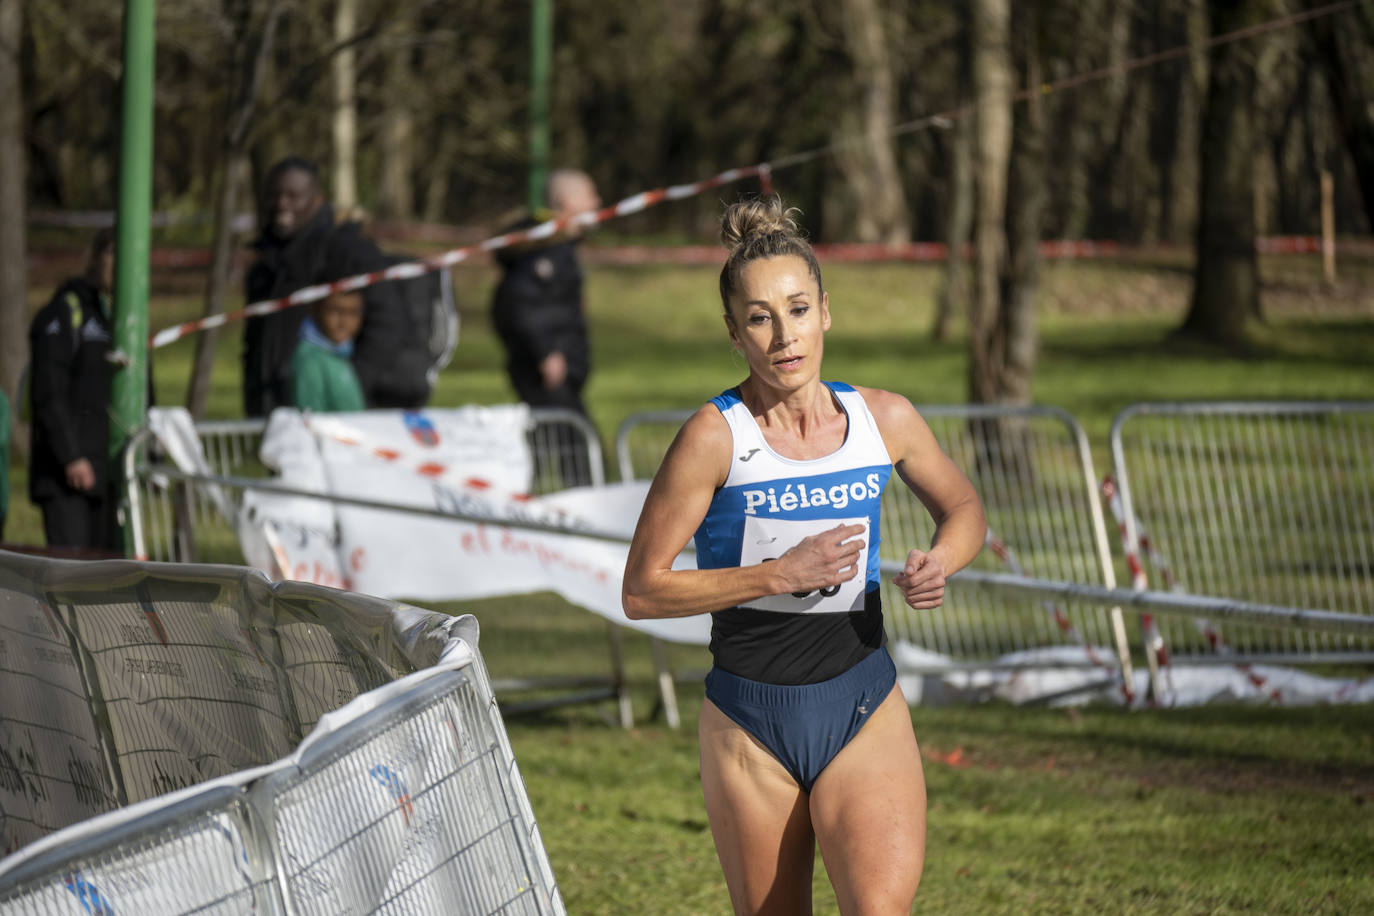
{"x": 805, "y": 736}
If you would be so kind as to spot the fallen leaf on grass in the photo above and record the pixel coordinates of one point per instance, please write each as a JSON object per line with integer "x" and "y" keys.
{"x": 954, "y": 758}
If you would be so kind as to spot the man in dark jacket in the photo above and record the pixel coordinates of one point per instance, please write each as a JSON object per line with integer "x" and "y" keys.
{"x": 537, "y": 308}
{"x": 300, "y": 236}
{"x": 69, "y": 390}
{"x": 537, "y": 312}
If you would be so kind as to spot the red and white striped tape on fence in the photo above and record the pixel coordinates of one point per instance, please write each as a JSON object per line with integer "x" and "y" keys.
{"x": 1145, "y": 545}
{"x": 1139, "y": 581}
{"x": 632, "y": 204}
{"x": 1061, "y": 620}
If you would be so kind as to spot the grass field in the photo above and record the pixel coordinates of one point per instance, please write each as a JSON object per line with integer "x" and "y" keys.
{"x": 1224, "y": 809}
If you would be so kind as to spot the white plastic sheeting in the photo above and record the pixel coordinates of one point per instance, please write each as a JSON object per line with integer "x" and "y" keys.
{"x": 325, "y": 752}
{"x": 1049, "y": 676}
{"x": 479, "y": 468}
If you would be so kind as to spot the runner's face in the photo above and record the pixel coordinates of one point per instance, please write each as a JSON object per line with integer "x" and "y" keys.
{"x": 294, "y": 201}
{"x": 778, "y": 319}
{"x": 340, "y": 316}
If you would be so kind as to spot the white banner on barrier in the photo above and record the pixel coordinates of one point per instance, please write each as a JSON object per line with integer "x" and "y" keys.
{"x": 399, "y": 458}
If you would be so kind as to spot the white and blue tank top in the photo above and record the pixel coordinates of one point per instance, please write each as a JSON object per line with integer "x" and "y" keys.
{"x": 768, "y": 504}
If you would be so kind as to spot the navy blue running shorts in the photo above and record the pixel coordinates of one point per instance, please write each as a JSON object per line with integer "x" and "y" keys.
{"x": 805, "y": 726}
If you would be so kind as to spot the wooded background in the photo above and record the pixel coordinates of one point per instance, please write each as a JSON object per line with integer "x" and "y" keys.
{"x": 1159, "y": 122}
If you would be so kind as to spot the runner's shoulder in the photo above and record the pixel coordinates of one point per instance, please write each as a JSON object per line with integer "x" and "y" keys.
{"x": 704, "y": 441}
{"x": 887, "y": 406}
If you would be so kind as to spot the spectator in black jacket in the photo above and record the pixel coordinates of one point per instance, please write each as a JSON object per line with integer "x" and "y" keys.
{"x": 298, "y": 238}
{"x": 69, "y": 391}
{"x": 537, "y": 308}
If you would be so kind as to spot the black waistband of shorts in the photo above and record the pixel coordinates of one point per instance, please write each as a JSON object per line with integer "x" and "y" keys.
{"x": 732, "y": 687}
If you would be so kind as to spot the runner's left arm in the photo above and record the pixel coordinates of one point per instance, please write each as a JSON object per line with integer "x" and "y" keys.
{"x": 947, "y": 494}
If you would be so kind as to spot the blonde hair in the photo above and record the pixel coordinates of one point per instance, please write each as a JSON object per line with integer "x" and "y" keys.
{"x": 757, "y": 229}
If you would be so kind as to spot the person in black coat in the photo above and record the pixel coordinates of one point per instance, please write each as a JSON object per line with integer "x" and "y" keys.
{"x": 299, "y": 237}
{"x": 537, "y": 307}
{"x": 69, "y": 391}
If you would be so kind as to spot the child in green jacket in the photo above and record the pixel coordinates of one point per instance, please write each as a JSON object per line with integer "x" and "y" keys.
{"x": 322, "y": 376}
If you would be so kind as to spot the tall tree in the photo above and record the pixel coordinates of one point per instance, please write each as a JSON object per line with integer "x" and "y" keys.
{"x": 954, "y": 287}
{"x": 1086, "y": 113}
{"x": 14, "y": 300}
{"x": 992, "y": 89}
{"x": 1011, "y": 206}
{"x": 1178, "y": 168}
{"x": 958, "y": 222}
{"x": 1344, "y": 44}
{"x": 867, "y": 154}
{"x": 395, "y": 192}
{"x": 1226, "y": 276}
{"x": 254, "y": 35}
{"x": 1026, "y": 200}
{"x": 345, "y": 121}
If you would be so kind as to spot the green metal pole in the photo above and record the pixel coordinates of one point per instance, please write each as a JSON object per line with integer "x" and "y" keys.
{"x": 541, "y": 51}
{"x": 128, "y": 395}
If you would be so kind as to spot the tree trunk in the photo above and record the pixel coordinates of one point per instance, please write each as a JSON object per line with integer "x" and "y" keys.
{"x": 1026, "y": 203}
{"x": 395, "y": 195}
{"x": 234, "y": 168}
{"x": 954, "y": 290}
{"x": 1226, "y": 277}
{"x": 14, "y": 288}
{"x": 1344, "y": 41}
{"x": 1183, "y": 205}
{"x": 233, "y": 176}
{"x": 954, "y": 287}
{"x": 870, "y": 165}
{"x": 345, "y": 122}
{"x": 1167, "y": 89}
{"x": 1286, "y": 152}
{"x": 1079, "y": 128}
{"x": 437, "y": 187}
{"x": 993, "y": 120}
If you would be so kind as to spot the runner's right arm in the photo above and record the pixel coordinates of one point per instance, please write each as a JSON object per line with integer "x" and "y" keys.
{"x": 696, "y": 465}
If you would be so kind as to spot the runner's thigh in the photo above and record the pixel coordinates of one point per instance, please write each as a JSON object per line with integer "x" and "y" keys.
{"x": 868, "y": 808}
{"x": 759, "y": 820}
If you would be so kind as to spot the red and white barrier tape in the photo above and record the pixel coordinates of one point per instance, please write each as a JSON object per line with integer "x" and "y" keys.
{"x": 1061, "y": 620}
{"x": 1204, "y": 626}
{"x": 1139, "y": 581}
{"x": 763, "y": 171}
{"x": 632, "y": 204}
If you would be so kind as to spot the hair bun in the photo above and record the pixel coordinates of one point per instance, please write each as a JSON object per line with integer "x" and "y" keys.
{"x": 760, "y": 216}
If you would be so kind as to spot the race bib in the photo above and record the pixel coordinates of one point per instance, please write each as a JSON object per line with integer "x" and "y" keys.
{"x": 766, "y": 539}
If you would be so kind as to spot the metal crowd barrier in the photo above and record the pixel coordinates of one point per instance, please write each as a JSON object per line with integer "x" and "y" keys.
{"x": 1256, "y": 520}
{"x": 160, "y": 709}
{"x": 1255, "y": 515}
{"x": 1258, "y": 501}
{"x": 171, "y": 518}
{"x": 1033, "y": 469}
